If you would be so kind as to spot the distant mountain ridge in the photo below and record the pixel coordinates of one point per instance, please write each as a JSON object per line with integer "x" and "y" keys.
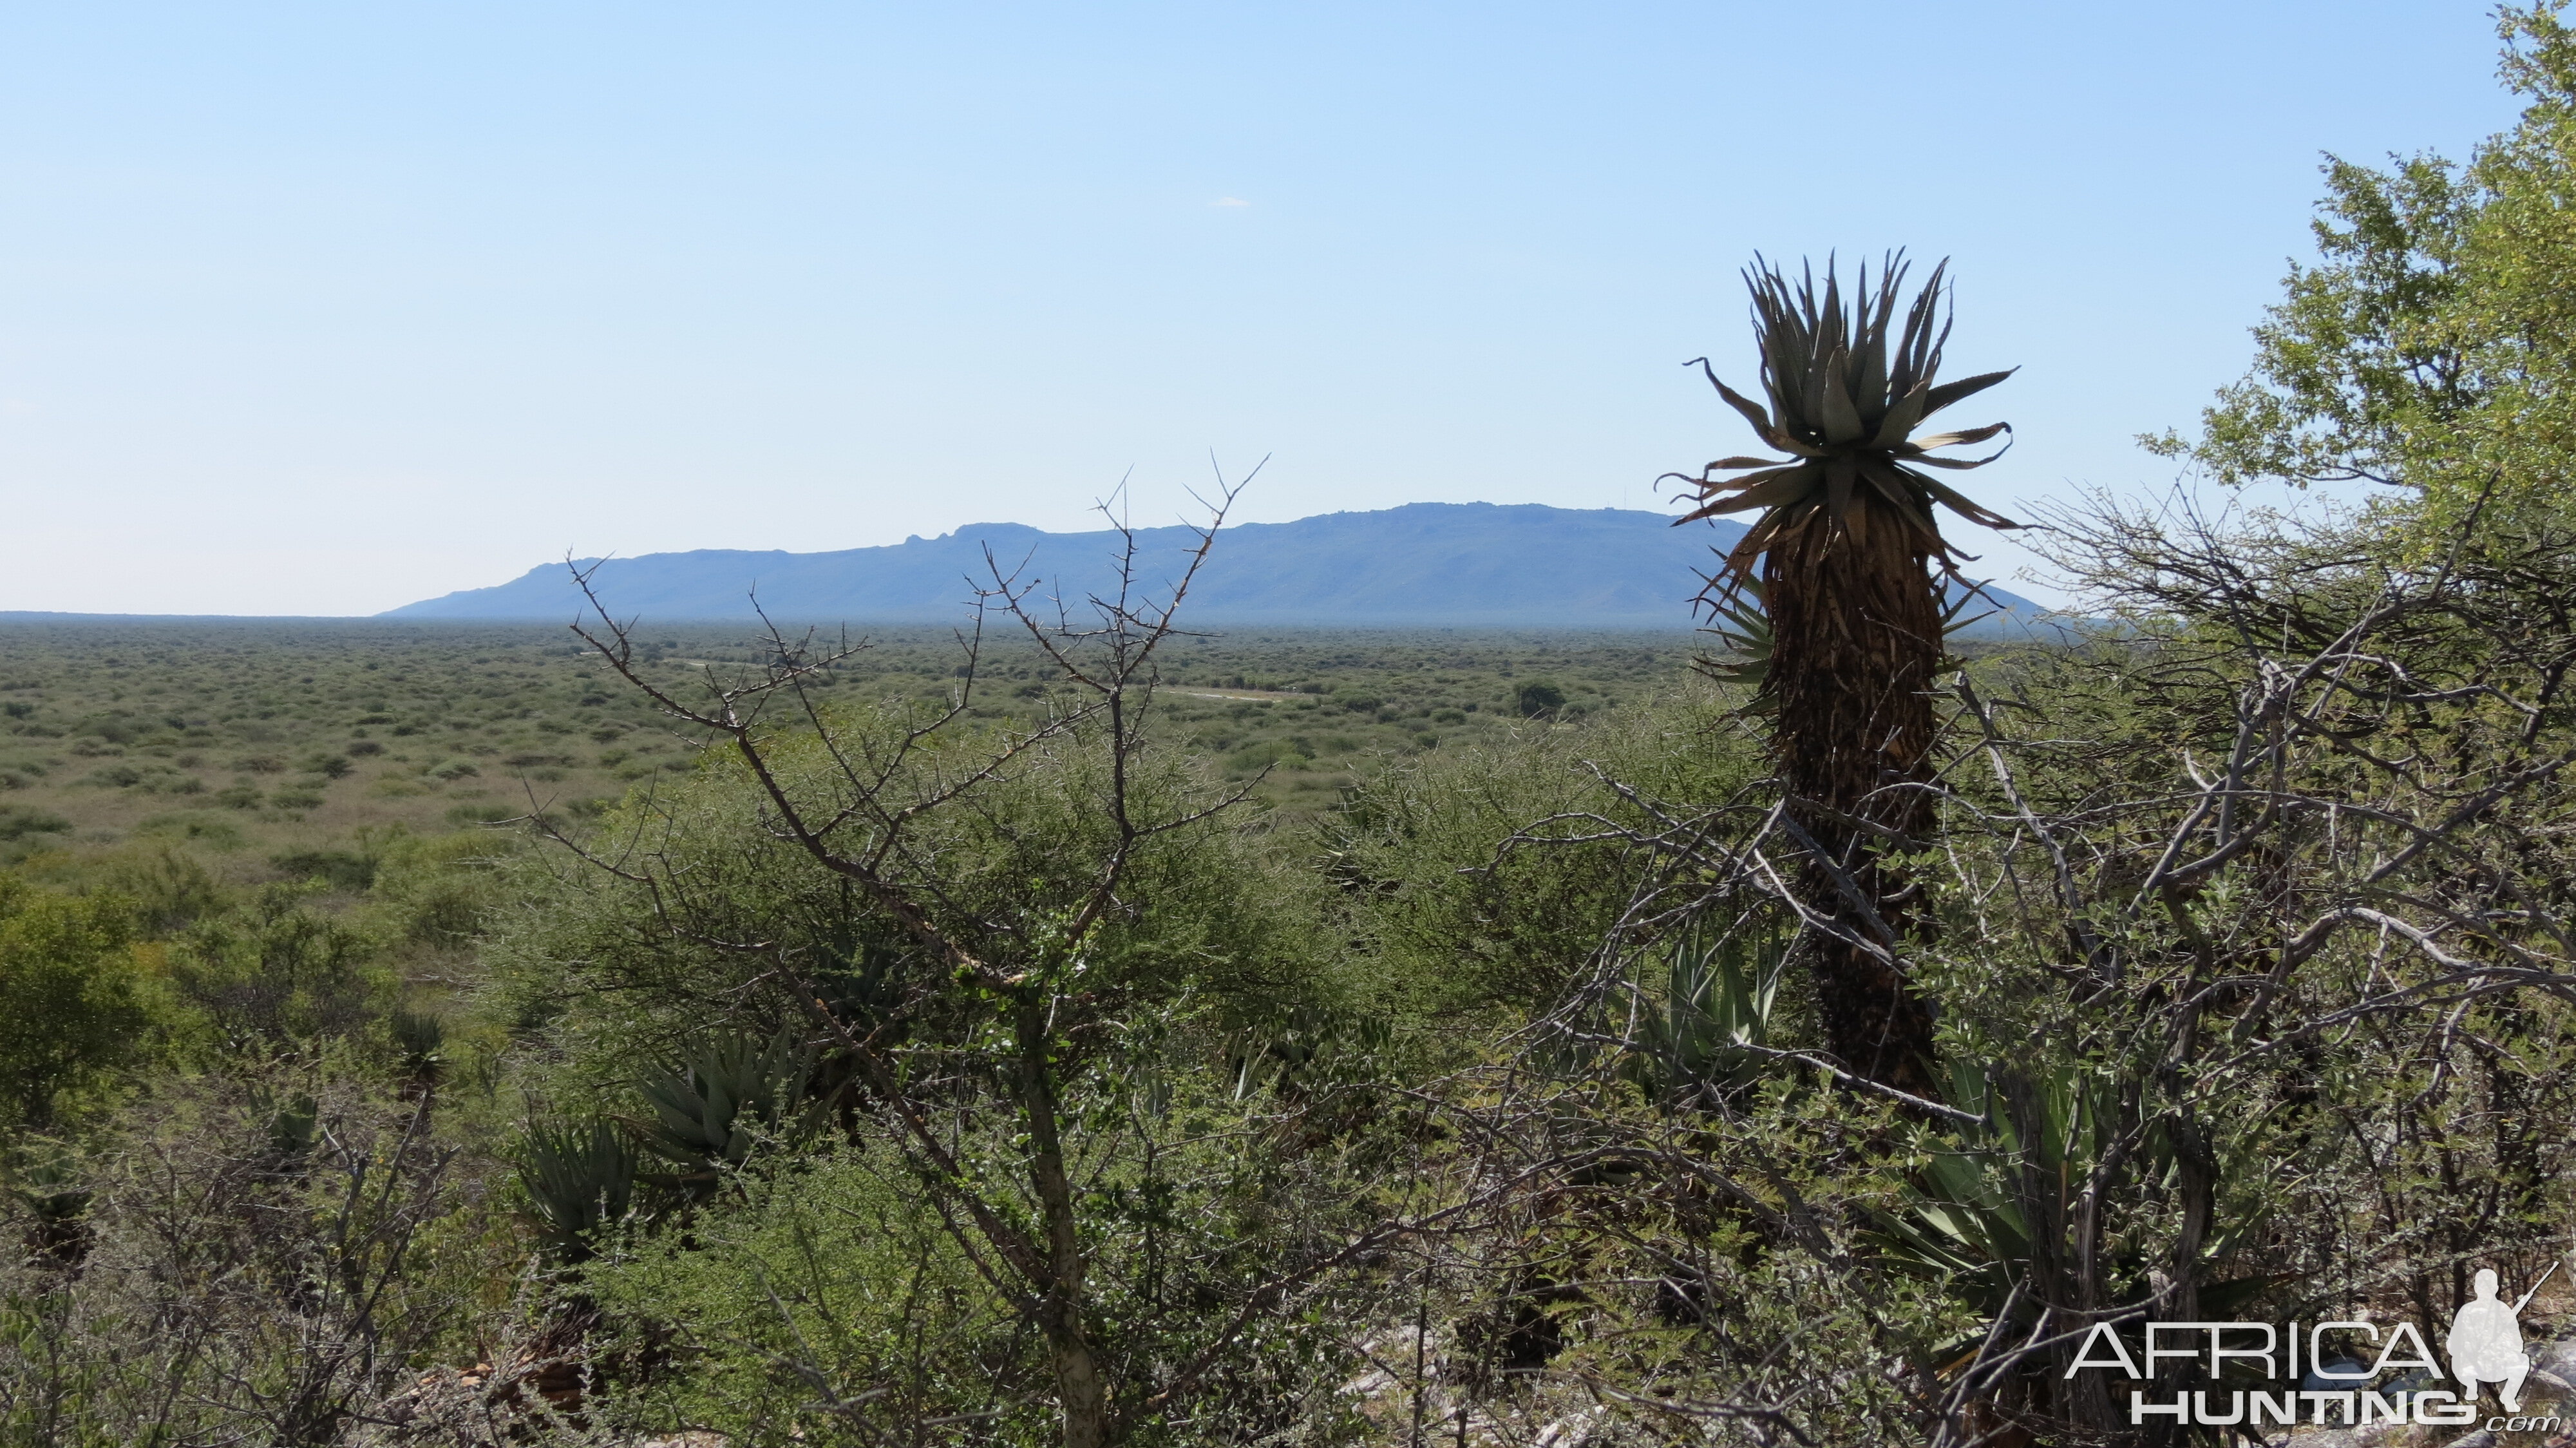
{"x": 1423, "y": 564}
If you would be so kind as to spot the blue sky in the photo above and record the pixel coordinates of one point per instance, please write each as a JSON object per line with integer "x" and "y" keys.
{"x": 322, "y": 309}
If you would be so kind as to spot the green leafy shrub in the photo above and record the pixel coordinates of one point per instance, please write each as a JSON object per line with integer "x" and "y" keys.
{"x": 21, "y": 826}
{"x": 169, "y": 889}
{"x": 437, "y": 890}
{"x": 273, "y": 972}
{"x": 1268, "y": 754}
{"x": 1453, "y": 917}
{"x": 74, "y": 990}
{"x": 832, "y": 1276}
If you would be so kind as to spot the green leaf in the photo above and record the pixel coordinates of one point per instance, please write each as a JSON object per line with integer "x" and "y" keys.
{"x": 1900, "y": 419}
{"x": 1841, "y": 420}
{"x": 1949, "y": 392}
{"x": 1839, "y": 475}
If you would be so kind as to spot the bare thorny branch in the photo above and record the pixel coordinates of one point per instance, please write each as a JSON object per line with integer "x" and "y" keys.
{"x": 865, "y": 823}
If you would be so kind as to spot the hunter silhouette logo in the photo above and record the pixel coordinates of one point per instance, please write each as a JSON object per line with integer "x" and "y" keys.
{"x": 2484, "y": 1346}
{"x": 2486, "y": 1342}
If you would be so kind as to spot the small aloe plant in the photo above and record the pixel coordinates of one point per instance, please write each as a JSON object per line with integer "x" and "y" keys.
{"x": 580, "y": 1179}
{"x": 709, "y": 1112}
{"x": 1967, "y": 1218}
{"x": 292, "y": 1120}
{"x": 421, "y": 1037}
{"x": 1712, "y": 1030}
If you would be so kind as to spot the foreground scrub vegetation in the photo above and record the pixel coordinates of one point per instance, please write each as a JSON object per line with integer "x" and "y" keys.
{"x": 895, "y": 1072}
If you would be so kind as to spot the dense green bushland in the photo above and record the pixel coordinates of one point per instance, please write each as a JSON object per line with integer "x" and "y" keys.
{"x": 285, "y": 741}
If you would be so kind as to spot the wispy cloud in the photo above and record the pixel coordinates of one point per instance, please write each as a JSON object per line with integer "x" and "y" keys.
{"x": 1229, "y": 201}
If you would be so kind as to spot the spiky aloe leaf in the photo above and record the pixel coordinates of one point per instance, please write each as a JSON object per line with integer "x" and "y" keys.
{"x": 1740, "y": 622}
{"x": 1310, "y": 1049}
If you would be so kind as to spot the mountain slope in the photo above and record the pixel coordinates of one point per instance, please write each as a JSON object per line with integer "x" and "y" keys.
{"x": 1522, "y": 565}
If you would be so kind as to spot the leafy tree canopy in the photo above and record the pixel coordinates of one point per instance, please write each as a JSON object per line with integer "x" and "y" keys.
{"x": 2432, "y": 347}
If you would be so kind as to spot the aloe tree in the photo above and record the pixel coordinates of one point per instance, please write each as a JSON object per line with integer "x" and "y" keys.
{"x": 1849, "y": 564}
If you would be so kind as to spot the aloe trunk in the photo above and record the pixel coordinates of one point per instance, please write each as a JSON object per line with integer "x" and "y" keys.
{"x": 1856, "y": 639}
{"x": 1851, "y": 566}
